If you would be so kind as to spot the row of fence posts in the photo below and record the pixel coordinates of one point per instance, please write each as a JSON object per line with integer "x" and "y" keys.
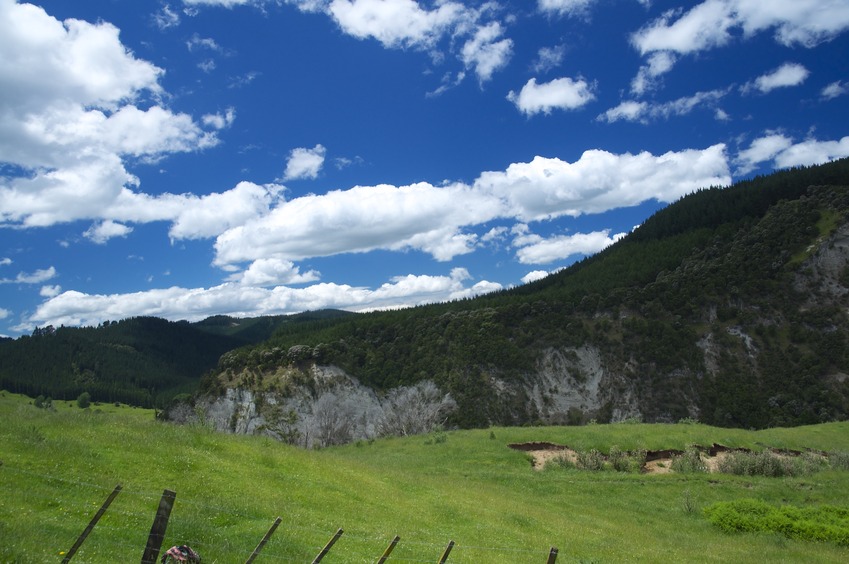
{"x": 163, "y": 513}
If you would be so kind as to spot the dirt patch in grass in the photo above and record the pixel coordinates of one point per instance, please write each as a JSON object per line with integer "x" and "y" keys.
{"x": 657, "y": 461}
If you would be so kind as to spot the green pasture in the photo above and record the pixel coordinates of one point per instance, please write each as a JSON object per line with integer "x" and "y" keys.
{"x": 463, "y": 486}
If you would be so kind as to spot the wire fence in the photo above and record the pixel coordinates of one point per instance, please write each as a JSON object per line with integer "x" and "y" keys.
{"x": 223, "y": 534}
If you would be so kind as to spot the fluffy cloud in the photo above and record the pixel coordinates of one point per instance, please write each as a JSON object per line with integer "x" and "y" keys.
{"x": 534, "y": 249}
{"x": 402, "y": 23}
{"x": 710, "y": 24}
{"x": 233, "y": 298}
{"x": 50, "y": 291}
{"x": 599, "y": 181}
{"x": 37, "y": 277}
{"x": 788, "y": 74}
{"x": 565, "y": 7}
{"x": 70, "y": 117}
{"x": 642, "y": 111}
{"x": 274, "y": 272}
{"x": 561, "y": 93}
{"x": 835, "y": 89}
{"x": 305, "y": 163}
{"x": 440, "y": 220}
{"x": 220, "y": 121}
{"x": 658, "y": 64}
{"x": 629, "y": 110}
{"x": 406, "y": 24}
{"x": 784, "y": 153}
{"x": 101, "y": 232}
{"x": 534, "y": 275}
{"x": 361, "y": 219}
{"x": 714, "y": 23}
{"x": 485, "y": 52}
{"x": 811, "y": 152}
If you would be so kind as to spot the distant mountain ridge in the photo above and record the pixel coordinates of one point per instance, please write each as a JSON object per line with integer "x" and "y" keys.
{"x": 728, "y": 306}
{"x": 142, "y": 361}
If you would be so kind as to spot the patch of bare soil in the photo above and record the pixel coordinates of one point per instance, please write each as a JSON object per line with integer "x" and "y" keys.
{"x": 657, "y": 461}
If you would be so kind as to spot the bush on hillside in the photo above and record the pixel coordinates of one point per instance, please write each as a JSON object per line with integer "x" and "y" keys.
{"x": 769, "y": 464}
{"x": 825, "y": 523}
{"x": 689, "y": 463}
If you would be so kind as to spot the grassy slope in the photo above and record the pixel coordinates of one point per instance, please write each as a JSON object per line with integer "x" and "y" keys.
{"x": 59, "y": 467}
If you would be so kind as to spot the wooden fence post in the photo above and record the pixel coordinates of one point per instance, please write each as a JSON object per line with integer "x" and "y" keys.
{"x": 389, "y": 550}
{"x": 263, "y": 541}
{"x": 328, "y": 546}
{"x": 157, "y": 530}
{"x": 91, "y": 524}
{"x": 552, "y": 556}
{"x": 447, "y": 552}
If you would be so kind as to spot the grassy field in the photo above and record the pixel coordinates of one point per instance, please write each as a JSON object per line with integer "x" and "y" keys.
{"x": 467, "y": 486}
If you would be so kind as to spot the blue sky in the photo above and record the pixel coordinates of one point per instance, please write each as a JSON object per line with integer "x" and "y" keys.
{"x": 247, "y": 157}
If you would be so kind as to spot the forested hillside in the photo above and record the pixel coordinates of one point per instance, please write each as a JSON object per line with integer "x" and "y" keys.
{"x": 142, "y": 361}
{"x": 728, "y": 306}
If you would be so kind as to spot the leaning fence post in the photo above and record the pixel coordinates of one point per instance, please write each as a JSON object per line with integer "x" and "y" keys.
{"x": 447, "y": 552}
{"x": 389, "y": 550}
{"x": 157, "y": 530}
{"x": 263, "y": 541}
{"x": 91, "y": 524}
{"x": 552, "y": 556}
{"x": 328, "y": 546}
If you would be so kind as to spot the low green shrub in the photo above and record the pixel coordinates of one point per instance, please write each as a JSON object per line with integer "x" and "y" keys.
{"x": 624, "y": 461}
{"x": 839, "y": 460}
{"x": 769, "y": 464}
{"x": 590, "y": 460}
{"x": 689, "y": 463}
{"x": 819, "y": 524}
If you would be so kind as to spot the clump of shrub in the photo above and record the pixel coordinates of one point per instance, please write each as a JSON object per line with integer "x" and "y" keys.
{"x": 562, "y": 462}
{"x": 593, "y": 460}
{"x": 624, "y": 461}
{"x": 689, "y": 463}
{"x": 589, "y": 460}
{"x": 824, "y": 523}
{"x": 438, "y": 436}
{"x": 769, "y": 464}
{"x": 839, "y": 460}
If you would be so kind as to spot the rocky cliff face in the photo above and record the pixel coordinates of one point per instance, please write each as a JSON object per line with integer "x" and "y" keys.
{"x": 571, "y": 386}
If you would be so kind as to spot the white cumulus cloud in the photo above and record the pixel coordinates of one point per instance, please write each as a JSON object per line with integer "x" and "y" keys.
{"x": 561, "y": 94}
{"x": 233, "y": 298}
{"x": 534, "y": 275}
{"x": 788, "y": 74}
{"x": 400, "y": 23}
{"x": 442, "y": 220}
{"x": 533, "y": 249}
{"x": 715, "y": 23}
{"x": 69, "y": 99}
{"x": 486, "y": 52}
{"x": 835, "y": 89}
{"x": 780, "y": 151}
{"x": 305, "y": 163}
{"x": 632, "y": 110}
{"x": 274, "y": 272}
{"x": 565, "y": 7}
{"x": 36, "y": 277}
{"x": 101, "y": 232}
